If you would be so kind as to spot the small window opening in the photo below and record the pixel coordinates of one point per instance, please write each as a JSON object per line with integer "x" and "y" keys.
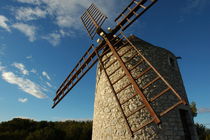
{"x": 184, "y": 118}
{"x": 172, "y": 62}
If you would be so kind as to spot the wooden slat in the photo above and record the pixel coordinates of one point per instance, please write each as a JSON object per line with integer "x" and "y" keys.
{"x": 151, "y": 82}
{"x": 125, "y": 52}
{"x": 114, "y": 71}
{"x": 145, "y": 124}
{"x": 142, "y": 73}
{"x": 137, "y": 64}
{"x": 131, "y": 57}
{"x": 123, "y": 88}
{"x": 172, "y": 107}
{"x": 118, "y": 79}
{"x": 110, "y": 64}
{"x": 139, "y": 108}
{"x": 160, "y": 94}
{"x": 123, "y": 102}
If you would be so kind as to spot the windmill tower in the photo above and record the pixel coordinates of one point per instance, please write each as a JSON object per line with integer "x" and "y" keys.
{"x": 139, "y": 90}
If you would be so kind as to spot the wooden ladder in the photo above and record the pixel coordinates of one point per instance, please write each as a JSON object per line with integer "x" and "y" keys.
{"x": 87, "y": 61}
{"x": 132, "y": 12}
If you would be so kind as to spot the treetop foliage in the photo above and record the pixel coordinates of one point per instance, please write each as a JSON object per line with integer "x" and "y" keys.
{"x": 26, "y": 129}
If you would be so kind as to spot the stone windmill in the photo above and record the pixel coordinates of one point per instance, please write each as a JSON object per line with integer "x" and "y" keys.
{"x": 139, "y": 90}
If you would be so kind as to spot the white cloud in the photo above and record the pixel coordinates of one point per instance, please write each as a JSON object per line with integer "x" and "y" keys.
{"x": 26, "y": 29}
{"x": 204, "y": 110}
{"x": 65, "y": 33}
{"x": 49, "y": 85}
{"x": 2, "y": 68}
{"x": 67, "y": 12}
{"x": 34, "y": 71}
{"x": 46, "y": 75}
{"x": 36, "y": 2}
{"x": 28, "y": 13}
{"x": 29, "y": 57}
{"x": 22, "y": 100}
{"x": 24, "y": 84}
{"x": 21, "y": 67}
{"x": 3, "y": 23}
{"x": 53, "y": 38}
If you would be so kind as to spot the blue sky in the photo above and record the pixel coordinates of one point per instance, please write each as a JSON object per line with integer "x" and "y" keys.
{"x": 41, "y": 41}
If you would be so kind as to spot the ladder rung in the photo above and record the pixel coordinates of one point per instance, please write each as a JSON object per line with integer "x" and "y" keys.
{"x": 111, "y": 63}
{"x": 133, "y": 11}
{"x": 107, "y": 58}
{"x": 117, "y": 36}
{"x": 172, "y": 107}
{"x": 136, "y": 2}
{"x": 151, "y": 82}
{"x": 118, "y": 79}
{"x": 126, "y": 51}
{"x": 145, "y": 124}
{"x": 118, "y": 41}
{"x": 114, "y": 71}
{"x": 138, "y": 63}
{"x": 123, "y": 88}
{"x": 160, "y": 94}
{"x": 118, "y": 49}
{"x": 142, "y": 6}
{"x": 131, "y": 57}
{"x": 123, "y": 45}
{"x": 128, "y": 99}
{"x": 139, "y": 108}
{"x": 149, "y": 68}
{"x": 105, "y": 51}
{"x": 128, "y": 20}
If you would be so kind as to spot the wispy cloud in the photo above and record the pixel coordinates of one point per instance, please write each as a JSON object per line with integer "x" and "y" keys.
{"x": 48, "y": 84}
{"x": 2, "y": 68}
{"x": 24, "y": 84}
{"x": 28, "y": 30}
{"x": 53, "y": 38}
{"x": 36, "y": 2}
{"x": 21, "y": 67}
{"x": 3, "y": 23}
{"x": 22, "y": 100}
{"x": 29, "y": 57}
{"x": 34, "y": 71}
{"x": 67, "y": 12}
{"x": 45, "y": 74}
{"x": 204, "y": 110}
{"x": 28, "y": 13}
{"x": 195, "y": 6}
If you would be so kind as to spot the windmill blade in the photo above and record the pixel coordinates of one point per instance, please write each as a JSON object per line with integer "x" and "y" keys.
{"x": 92, "y": 19}
{"x": 129, "y": 60}
{"x": 82, "y": 67}
{"x": 132, "y": 12}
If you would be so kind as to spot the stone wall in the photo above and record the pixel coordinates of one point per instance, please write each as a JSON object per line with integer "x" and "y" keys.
{"x": 108, "y": 122}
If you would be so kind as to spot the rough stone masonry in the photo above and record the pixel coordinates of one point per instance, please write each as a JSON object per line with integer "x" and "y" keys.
{"x": 108, "y": 122}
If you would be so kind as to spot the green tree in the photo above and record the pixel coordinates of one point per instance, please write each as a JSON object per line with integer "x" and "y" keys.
{"x": 46, "y": 133}
{"x": 193, "y": 109}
